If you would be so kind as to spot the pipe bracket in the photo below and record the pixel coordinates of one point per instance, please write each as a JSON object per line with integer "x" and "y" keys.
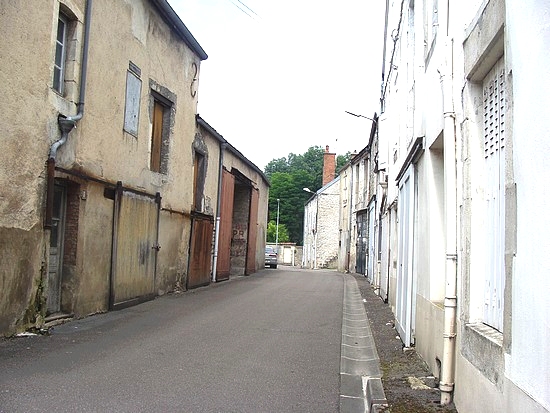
{"x": 446, "y": 387}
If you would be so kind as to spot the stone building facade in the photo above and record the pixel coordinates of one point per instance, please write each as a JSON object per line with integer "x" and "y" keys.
{"x": 102, "y": 177}
{"x": 321, "y": 223}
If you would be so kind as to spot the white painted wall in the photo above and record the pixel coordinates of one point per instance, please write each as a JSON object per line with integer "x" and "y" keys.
{"x": 528, "y": 27}
{"x": 310, "y": 228}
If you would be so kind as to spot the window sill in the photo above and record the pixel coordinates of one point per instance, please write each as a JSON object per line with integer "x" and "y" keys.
{"x": 482, "y": 346}
{"x": 62, "y": 104}
{"x": 487, "y": 332}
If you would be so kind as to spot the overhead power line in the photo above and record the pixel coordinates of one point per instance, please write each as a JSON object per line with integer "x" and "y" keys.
{"x": 243, "y": 10}
{"x": 248, "y": 7}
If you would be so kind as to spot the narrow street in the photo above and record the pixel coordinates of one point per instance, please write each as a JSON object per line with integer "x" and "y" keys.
{"x": 265, "y": 343}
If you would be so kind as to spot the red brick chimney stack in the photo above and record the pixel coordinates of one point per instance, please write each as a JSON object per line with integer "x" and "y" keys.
{"x": 329, "y": 166}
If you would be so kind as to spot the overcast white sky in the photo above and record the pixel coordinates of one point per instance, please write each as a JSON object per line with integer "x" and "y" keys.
{"x": 280, "y": 74}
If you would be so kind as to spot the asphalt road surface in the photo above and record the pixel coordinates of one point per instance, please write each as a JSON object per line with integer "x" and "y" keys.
{"x": 265, "y": 343}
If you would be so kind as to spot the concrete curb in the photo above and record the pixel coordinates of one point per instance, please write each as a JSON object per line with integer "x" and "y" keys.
{"x": 360, "y": 377}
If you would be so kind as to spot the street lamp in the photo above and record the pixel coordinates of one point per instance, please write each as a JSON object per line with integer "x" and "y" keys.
{"x": 277, "y": 230}
{"x": 308, "y": 190}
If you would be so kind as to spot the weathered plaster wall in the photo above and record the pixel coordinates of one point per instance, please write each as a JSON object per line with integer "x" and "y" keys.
{"x": 21, "y": 278}
{"x": 210, "y": 194}
{"x": 99, "y": 147}
{"x": 120, "y": 32}
{"x": 29, "y": 126}
{"x": 103, "y": 148}
{"x": 173, "y": 256}
{"x": 87, "y": 288}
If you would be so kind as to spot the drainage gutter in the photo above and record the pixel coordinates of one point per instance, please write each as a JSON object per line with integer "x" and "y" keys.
{"x": 361, "y": 387}
{"x": 446, "y": 384}
{"x": 68, "y": 123}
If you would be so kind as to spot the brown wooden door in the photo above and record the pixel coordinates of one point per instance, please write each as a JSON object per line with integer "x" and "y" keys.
{"x": 226, "y": 227}
{"x": 200, "y": 255}
{"x": 252, "y": 232}
{"x": 135, "y": 248}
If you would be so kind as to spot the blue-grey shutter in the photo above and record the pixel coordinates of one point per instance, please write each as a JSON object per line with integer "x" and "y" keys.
{"x": 494, "y": 127}
{"x": 131, "y": 112}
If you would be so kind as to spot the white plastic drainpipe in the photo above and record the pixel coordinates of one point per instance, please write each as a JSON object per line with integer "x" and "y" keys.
{"x": 446, "y": 384}
{"x": 223, "y": 145}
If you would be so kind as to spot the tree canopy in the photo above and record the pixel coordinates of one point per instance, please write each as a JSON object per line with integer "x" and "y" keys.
{"x": 288, "y": 176}
{"x": 275, "y": 234}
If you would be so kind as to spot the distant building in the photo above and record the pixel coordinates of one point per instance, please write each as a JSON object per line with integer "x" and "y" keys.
{"x": 359, "y": 214}
{"x": 321, "y": 223}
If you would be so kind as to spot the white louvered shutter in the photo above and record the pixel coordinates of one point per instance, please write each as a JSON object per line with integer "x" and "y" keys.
{"x": 494, "y": 134}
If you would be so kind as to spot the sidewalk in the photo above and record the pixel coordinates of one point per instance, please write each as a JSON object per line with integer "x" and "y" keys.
{"x": 408, "y": 385}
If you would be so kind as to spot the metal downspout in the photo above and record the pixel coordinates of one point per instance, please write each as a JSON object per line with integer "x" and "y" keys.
{"x": 156, "y": 247}
{"x": 382, "y": 104}
{"x": 68, "y": 123}
{"x": 223, "y": 145}
{"x": 316, "y": 232}
{"x": 348, "y": 258}
{"x": 388, "y": 248}
{"x": 446, "y": 385}
{"x": 114, "y": 246}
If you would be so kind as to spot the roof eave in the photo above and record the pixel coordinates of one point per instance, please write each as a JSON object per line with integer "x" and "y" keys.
{"x": 172, "y": 18}
{"x": 230, "y": 147}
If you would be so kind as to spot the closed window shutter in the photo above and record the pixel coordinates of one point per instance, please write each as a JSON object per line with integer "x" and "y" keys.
{"x": 156, "y": 139}
{"x": 494, "y": 134}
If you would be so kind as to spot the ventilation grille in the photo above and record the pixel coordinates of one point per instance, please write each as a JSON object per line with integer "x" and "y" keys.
{"x": 493, "y": 112}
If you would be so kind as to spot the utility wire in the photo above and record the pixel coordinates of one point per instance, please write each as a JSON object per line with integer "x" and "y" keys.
{"x": 243, "y": 10}
{"x": 248, "y": 7}
{"x": 395, "y": 39}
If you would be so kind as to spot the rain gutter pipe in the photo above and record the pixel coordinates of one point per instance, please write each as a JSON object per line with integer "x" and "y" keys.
{"x": 382, "y": 104}
{"x": 446, "y": 385}
{"x": 223, "y": 145}
{"x": 348, "y": 258}
{"x": 316, "y": 231}
{"x": 68, "y": 123}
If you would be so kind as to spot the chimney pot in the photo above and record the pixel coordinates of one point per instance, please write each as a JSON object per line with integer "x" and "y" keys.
{"x": 329, "y": 166}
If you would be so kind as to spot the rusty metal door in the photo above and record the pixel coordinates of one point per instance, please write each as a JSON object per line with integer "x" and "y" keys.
{"x": 226, "y": 227}
{"x": 252, "y": 232}
{"x": 200, "y": 254}
{"x": 135, "y": 248}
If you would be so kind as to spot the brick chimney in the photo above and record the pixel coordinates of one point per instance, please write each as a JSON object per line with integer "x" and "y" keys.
{"x": 329, "y": 166}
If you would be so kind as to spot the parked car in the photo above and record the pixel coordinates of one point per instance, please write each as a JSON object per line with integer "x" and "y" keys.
{"x": 270, "y": 257}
